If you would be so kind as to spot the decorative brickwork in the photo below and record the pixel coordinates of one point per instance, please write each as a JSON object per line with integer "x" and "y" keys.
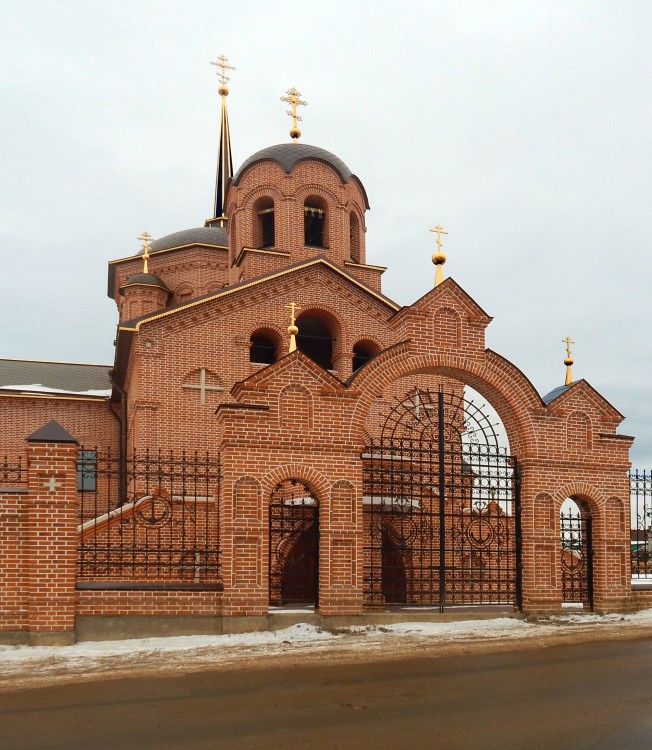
{"x": 297, "y": 514}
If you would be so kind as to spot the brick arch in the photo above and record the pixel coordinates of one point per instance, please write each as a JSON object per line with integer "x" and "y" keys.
{"x": 261, "y": 191}
{"x": 302, "y": 472}
{"x": 587, "y": 494}
{"x": 306, "y": 190}
{"x": 506, "y": 388}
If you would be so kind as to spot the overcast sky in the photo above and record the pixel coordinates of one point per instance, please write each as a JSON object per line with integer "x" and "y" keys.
{"x": 522, "y": 127}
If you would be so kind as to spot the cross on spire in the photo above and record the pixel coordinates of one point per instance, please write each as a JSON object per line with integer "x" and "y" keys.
{"x": 293, "y": 312}
{"x": 145, "y": 238}
{"x": 202, "y": 387}
{"x": 568, "y": 361}
{"x": 222, "y": 63}
{"x": 293, "y": 98}
{"x": 224, "y": 158}
{"x": 439, "y": 257}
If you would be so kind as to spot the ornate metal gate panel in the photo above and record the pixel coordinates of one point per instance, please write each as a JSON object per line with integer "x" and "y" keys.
{"x": 293, "y": 545}
{"x": 441, "y": 507}
{"x": 576, "y": 557}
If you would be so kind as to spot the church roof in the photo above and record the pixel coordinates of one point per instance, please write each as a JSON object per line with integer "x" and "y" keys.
{"x": 135, "y": 323}
{"x": 554, "y": 393}
{"x": 56, "y": 378}
{"x": 198, "y": 236}
{"x": 287, "y": 155}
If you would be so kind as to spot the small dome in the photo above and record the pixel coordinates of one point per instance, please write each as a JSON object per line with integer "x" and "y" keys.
{"x": 215, "y": 236}
{"x": 287, "y": 155}
{"x": 144, "y": 279}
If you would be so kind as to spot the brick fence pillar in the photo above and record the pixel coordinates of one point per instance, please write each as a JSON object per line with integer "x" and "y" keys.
{"x": 51, "y": 544}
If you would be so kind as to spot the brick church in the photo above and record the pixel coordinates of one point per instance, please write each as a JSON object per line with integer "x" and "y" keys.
{"x": 275, "y": 433}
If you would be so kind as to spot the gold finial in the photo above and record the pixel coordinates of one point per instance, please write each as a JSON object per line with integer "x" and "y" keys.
{"x": 223, "y": 64}
{"x": 293, "y": 98}
{"x": 439, "y": 257}
{"x": 568, "y": 361}
{"x": 292, "y": 328}
{"x": 145, "y": 238}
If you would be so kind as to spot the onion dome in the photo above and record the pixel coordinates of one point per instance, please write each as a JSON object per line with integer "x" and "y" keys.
{"x": 145, "y": 279}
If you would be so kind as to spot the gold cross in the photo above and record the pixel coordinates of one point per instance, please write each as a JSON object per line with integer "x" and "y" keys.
{"x": 223, "y": 64}
{"x": 568, "y": 343}
{"x": 145, "y": 238}
{"x": 439, "y": 230}
{"x": 293, "y": 312}
{"x": 293, "y": 98}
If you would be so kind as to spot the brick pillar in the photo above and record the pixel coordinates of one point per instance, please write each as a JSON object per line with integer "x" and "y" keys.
{"x": 51, "y": 544}
{"x": 541, "y": 550}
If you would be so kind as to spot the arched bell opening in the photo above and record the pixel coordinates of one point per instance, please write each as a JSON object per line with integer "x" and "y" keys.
{"x": 315, "y": 222}
{"x": 363, "y": 351}
{"x": 264, "y": 227}
{"x": 263, "y": 347}
{"x": 316, "y": 338}
{"x": 355, "y": 238}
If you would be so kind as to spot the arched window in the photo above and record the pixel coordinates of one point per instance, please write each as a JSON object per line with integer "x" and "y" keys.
{"x": 363, "y": 351}
{"x": 354, "y": 237}
{"x": 315, "y": 340}
{"x": 262, "y": 349}
{"x": 314, "y": 222}
{"x": 264, "y": 235}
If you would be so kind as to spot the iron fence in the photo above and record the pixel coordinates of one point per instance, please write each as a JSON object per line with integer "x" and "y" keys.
{"x": 441, "y": 508}
{"x": 150, "y": 519}
{"x": 12, "y": 472}
{"x": 640, "y": 486}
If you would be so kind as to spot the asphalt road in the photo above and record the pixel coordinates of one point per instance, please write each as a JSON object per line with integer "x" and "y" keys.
{"x": 590, "y": 695}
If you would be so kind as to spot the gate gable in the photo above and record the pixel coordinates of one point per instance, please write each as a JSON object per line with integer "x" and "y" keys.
{"x": 447, "y": 317}
{"x": 582, "y": 396}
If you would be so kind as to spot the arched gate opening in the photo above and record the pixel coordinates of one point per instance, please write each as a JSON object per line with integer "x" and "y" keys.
{"x": 293, "y": 544}
{"x": 441, "y": 506}
{"x": 576, "y": 531}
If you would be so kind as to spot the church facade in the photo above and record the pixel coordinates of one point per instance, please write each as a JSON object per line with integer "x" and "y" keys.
{"x": 275, "y": 432}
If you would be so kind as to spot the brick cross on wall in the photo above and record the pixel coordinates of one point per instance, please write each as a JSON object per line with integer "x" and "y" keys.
{"x": 51, "y": 483}
{"x": 202, "y": 387}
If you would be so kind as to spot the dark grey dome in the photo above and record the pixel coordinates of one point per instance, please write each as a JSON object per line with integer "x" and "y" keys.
{"x": 286, "y": 155}
{"x": 201, "y": 235}
{"x": 146, "y": 279}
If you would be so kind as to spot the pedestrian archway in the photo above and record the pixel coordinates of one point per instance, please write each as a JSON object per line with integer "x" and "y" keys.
{"x": 293, "y": 544}
{"x": 575, "y": 524}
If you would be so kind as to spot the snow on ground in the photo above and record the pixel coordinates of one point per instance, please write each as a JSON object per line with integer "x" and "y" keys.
{"x": 28, "y": 665}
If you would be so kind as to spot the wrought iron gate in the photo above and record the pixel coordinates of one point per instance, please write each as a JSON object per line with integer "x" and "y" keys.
{"x": 441, "y": 507}
{"x": 293, "y": 545}
{"x": 576, "y": 556}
